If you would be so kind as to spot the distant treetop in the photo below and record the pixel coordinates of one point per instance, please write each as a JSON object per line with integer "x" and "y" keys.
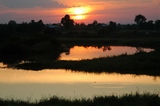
{"x": 67, "y": 22}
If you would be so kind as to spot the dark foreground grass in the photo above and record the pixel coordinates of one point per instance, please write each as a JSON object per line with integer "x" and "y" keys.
{"x": 146, "y": 99}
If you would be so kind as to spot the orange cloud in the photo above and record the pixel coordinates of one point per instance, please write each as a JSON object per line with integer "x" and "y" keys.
{"x": 79, "y": 13}
{"x": 104, "y": 11}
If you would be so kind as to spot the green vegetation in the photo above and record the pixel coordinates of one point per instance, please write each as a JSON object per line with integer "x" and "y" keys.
{"x": 136, "y": 99}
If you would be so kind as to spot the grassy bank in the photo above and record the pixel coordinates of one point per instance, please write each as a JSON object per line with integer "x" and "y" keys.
{"x": 136, "y": 99}
{"x": 139, "y": 63}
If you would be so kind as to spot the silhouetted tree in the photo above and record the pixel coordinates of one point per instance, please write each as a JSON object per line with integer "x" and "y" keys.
{"x": 12, "y": 53}
{"x": 140, "y": 19}
{"x": 40, "y": 25}
{"x": 36, "y": 27}
{"x": 150, "y": 25}
{"x": 67, "y": 22}
{"x": 12, "y": 25}
{"x": 80, "y": 26}
{"x": 112, "y": 26}
{"x": 157, "y": 24}
{"x": 95, "y": 22}
{"x": 23, "y": 27}
{"x": 12, "y": 22}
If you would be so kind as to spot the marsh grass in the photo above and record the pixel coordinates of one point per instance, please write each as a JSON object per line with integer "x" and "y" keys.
{"x": 132, "y": 99}
{"x": 139, "y": 63}
{"x": 12, "y": 102}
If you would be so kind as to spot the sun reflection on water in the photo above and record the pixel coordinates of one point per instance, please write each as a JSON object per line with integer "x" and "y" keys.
{"x": 23, "y": 84}
{"x": 90, "y": 52}
{"x": 62, "y": 76}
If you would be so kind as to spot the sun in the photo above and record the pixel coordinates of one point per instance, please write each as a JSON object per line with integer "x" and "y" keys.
{"x": 79, "y": 10}
{"x": 79, "y": 13}
{"x": 79, "y": 17}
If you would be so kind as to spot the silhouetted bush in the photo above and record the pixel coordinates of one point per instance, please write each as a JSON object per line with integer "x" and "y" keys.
{"x": 13, "y": 53}
{"x": 51, "y": 31}
{"x": 35, "y": 48}
{"x": 137, "y": 99}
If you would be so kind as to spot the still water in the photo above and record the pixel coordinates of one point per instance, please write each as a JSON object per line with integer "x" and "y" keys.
{"x": 35, "y": 85}
{"x": 81, "y": 52}
{"x": 31, "y": 85}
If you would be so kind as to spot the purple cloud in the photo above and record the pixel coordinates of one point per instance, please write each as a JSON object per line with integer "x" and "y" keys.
{"x": 31, "y": 3}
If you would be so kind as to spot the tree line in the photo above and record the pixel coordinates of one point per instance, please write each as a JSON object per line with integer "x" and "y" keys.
{"x": 140, "y": 20}
{"x": 23, "y": 28}
{"x": 36, "y": 41}
{"x": 142, "y": 23}
{"x": 68, "y": 24}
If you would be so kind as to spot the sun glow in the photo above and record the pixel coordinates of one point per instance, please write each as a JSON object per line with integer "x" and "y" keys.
{"x": 79, "y": 13}
{"x": 79, "y": 17}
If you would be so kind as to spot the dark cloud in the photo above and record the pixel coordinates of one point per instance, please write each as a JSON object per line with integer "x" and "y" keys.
{"x": 31, "y": 3}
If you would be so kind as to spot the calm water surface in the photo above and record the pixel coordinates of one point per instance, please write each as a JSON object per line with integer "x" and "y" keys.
{"x": 31, "y": 85}
{"x": 81, "y": 52}
{"x": 35, "y": 85}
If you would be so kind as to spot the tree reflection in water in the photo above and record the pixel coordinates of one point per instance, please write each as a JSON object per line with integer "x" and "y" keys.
{"x": 90, "y": 52}
{"x": 104, "y": 48}
{"x": 37, "y": 49}
{"x": 45, "y": 54}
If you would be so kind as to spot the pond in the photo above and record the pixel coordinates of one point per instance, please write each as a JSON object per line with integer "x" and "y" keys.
{"x": 35, "y": 85}
{"x": 89, "y": 52}
{"x": 31, "y": 85}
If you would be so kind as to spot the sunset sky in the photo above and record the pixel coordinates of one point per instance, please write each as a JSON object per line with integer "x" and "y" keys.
{"x": 51, "y": 11}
